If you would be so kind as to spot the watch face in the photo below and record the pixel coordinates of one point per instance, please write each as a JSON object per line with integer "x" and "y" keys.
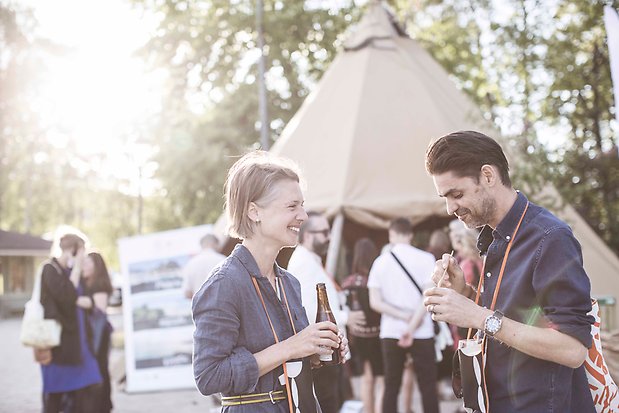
{"x": 493, "y": 325}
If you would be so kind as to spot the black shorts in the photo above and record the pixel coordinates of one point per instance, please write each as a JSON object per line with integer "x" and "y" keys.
{"x": 364, "y": 349}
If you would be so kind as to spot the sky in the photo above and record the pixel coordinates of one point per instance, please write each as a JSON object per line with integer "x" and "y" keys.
{"x": 99, "y": 91}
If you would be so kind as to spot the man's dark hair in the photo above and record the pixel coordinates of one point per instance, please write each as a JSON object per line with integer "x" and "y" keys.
{"x": 464, "y": 153}
{"x": 401, "y": 226}
{"x": 307, "y": 225}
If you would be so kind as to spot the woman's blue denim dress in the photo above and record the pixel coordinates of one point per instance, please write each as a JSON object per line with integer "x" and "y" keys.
{"x": 231, "y": 326}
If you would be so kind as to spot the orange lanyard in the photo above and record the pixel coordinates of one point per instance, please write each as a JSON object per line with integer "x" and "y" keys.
{"x": 494, "y": 297}
{"x": 503, "y": 264}
{"x": 275, "y": 334}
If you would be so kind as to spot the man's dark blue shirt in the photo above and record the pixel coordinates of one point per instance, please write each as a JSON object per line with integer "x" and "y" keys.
{"x": 544, "y": 284}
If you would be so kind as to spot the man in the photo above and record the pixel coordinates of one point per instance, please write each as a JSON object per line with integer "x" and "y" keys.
{"x": 198, "y": 268}
{"x": 306, "y": 265}
{"x": 539, "y": 333}
{"x": 405, "y": 326}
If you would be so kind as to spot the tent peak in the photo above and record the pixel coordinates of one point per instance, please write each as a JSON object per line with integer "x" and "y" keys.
{"x": 378, "y": 23}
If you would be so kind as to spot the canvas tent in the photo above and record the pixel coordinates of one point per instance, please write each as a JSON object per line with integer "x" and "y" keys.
{"x": 361, "y": 135}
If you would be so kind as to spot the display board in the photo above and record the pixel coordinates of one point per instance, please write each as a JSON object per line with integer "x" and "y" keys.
{"x": 158, "y": 328}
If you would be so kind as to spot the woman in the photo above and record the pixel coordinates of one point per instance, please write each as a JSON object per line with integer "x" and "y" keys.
{"x": 252, "y": 341}
{"x": 464, "y": 241}
{"x": 365, "y": 343}
{"x": 71, "y": 378}
{"x": 96, "y": 290}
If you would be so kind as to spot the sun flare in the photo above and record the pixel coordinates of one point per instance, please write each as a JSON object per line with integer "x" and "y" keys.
{"x": 97, "y": 94}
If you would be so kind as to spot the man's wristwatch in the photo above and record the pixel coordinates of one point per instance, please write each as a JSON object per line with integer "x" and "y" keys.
{"x": 493, "y": 323}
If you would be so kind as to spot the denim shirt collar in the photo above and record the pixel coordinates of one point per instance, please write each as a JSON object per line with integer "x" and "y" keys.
{"x": 241, "y": 253}
{"x": 506, "y": 227}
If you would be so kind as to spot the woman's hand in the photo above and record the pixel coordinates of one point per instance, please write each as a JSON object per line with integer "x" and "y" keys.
{"x": 43, "y": 356}
{"x": 344, "y": 350}
{"x": 356, "y": 319}
{"x": 320, "y": 338}
{"x": 83, "y": 301}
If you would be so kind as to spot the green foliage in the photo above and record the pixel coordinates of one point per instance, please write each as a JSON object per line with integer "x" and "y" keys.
{"x": 580, "y": 97}
{"x": 44, "y": 185}
{"x": 209, "y": 49}
{"x": 530, "y": 65}
{"x": 534, "y": 67}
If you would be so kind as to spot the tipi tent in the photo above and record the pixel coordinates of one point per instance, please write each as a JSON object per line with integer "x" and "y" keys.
{"x": 361, "y": 135}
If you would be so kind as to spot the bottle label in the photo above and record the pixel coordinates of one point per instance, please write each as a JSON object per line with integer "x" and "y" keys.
{"x": 326, "y": 357}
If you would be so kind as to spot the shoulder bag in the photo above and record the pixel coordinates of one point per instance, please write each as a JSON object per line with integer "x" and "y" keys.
{"x": 36, "y": 330}
{"x": 442, "y": 335}
{"x": 603, "y": 388}
{"x": 437, "y": 328}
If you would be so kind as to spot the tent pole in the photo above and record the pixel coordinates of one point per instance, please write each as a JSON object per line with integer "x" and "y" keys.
{"x": 334, "y": 245}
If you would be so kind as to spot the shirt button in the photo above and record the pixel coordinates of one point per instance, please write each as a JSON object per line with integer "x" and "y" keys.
{"x": 508, "y": 238}
{"x": 488, "y": 274}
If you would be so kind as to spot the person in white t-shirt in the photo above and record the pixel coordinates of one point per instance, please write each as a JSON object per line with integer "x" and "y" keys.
{"x": 199, "y": 267}
{"x": 405, "y": 325}
{"x": 306, "y": 265}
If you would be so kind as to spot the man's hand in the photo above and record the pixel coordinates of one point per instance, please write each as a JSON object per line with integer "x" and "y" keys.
{"x": 43, "y": 356}
{"x": 406, "y": 340}
{"x": 447, "y": 273}
{"x": 447, "y": 305}
{"x": 356, "y": 319}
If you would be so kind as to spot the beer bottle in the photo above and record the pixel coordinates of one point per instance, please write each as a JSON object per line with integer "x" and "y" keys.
{"x": 324, "y": 313}
{"x": 355, "y": 303}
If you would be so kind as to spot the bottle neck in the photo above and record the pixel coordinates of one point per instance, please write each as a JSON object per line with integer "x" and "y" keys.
{"x": 323, "y": 299}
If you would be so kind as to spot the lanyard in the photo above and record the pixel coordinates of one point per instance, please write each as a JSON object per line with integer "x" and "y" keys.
{"x": 494, "y": 298}
{"x": 503, "y": 264}
{"x": 283, "y": 291}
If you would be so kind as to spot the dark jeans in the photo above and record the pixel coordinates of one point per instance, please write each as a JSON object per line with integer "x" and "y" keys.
{"x": 328, "y": 387}
{"x": 105, "y": 404}
{"x": 424, "y": 365}
{"x": 84, "y": 400}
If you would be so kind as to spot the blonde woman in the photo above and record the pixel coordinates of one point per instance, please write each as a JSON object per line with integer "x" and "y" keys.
{"x": 253, "y": 342}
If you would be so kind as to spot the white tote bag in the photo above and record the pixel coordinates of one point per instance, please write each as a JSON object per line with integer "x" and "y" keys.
{"x": 36, "y": 331}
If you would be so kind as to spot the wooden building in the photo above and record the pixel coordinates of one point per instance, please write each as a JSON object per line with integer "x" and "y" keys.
{"x": 20, "y": 254}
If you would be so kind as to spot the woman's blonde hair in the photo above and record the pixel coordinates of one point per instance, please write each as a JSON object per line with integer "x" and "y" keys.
{"x": 252, "y": 179}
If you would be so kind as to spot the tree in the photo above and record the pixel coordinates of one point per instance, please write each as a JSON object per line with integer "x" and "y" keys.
{"x": 209, "y": 50}
{"x": 43, "y": 185}
{"x": 579, "y": 102}
{"x": 534, "y": 68}
{"x": 23, "y": 152}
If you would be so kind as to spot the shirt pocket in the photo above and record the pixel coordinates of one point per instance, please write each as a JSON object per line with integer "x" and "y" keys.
{"x": 299, "y": 317}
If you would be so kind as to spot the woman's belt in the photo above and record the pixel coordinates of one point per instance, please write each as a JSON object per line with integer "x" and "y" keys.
{"x": 272, "y": 396}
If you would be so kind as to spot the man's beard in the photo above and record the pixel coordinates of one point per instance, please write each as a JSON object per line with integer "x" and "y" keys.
{"x": 320, "y": 248}
{"x": 476, "y": 220}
